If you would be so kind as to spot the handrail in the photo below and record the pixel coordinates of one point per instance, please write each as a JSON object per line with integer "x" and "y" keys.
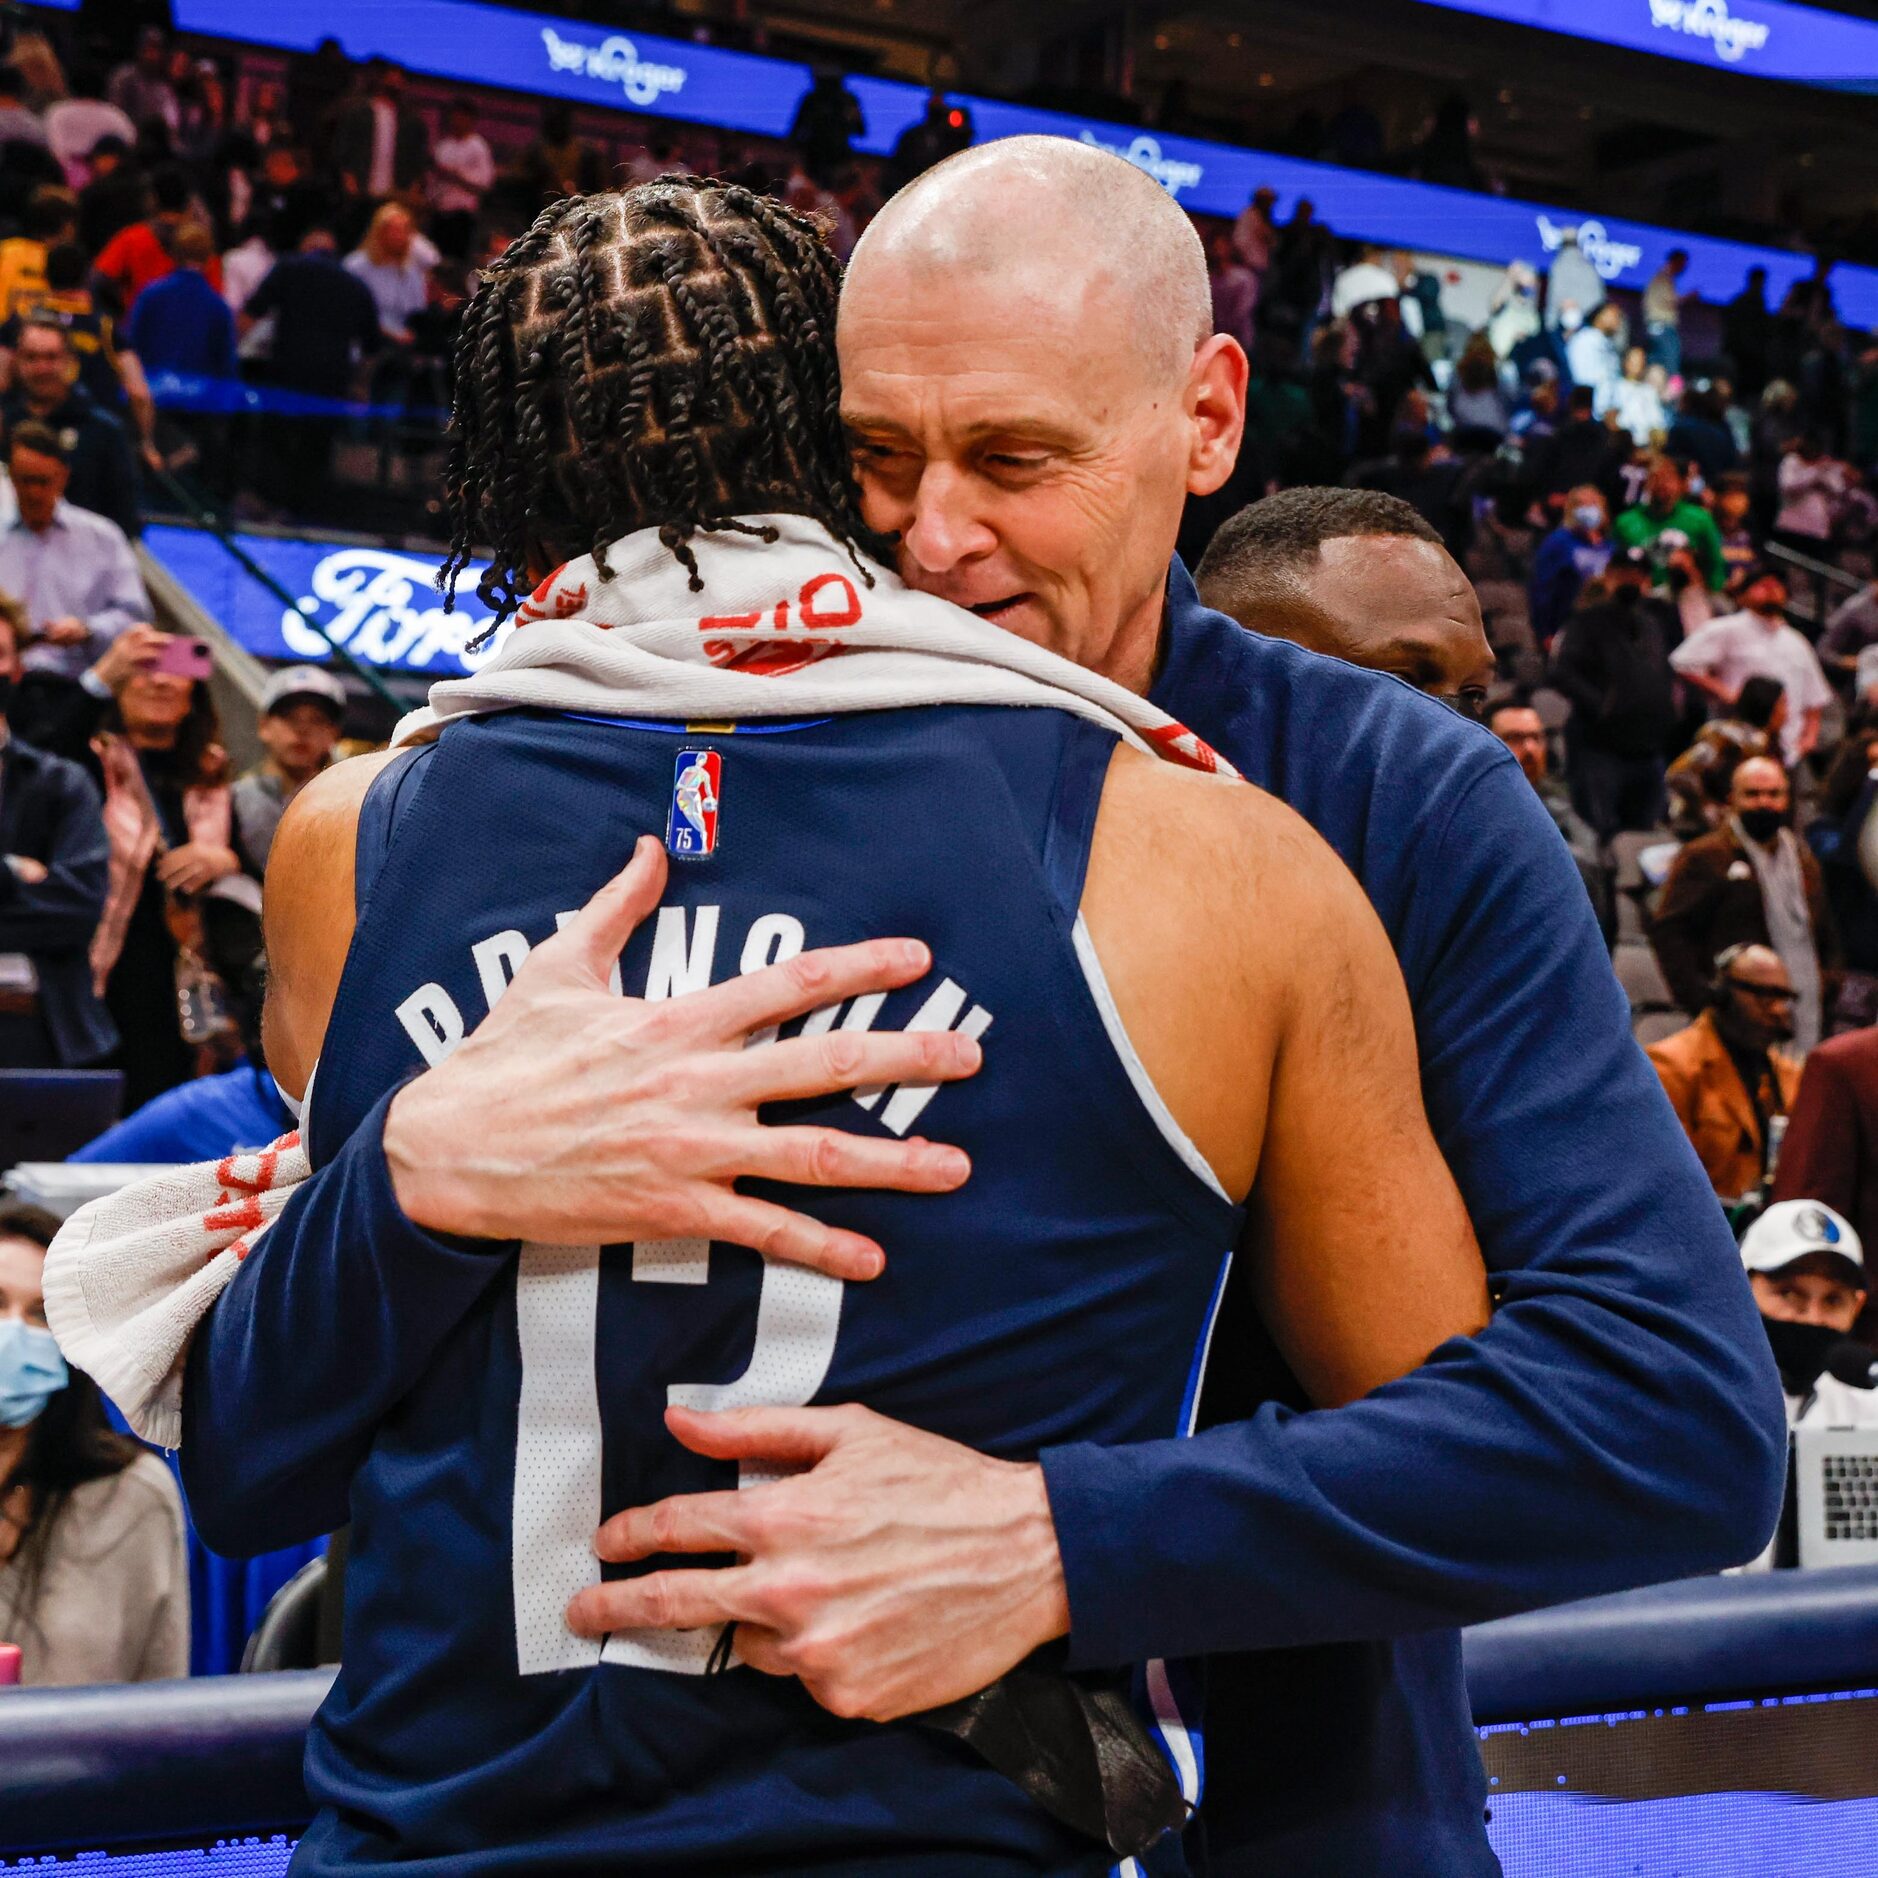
{"x": 207, "y": 519}
{"x": 1805, "y": 563}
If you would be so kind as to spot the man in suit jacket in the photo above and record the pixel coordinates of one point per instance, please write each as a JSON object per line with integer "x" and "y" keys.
{"x": 55, "y": 865}
{"x": 1726, "y": 1076}
{"x": 1752, "y": 882}
{"x": 1831, "y": 1150}
{"x": 380, "y": 148}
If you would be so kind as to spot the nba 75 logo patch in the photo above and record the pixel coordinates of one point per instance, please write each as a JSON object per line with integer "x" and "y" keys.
{"x": 691, "y": 828}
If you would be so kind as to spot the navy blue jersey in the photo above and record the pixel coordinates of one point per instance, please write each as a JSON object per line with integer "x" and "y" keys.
{"x": 1065, "y": 1294}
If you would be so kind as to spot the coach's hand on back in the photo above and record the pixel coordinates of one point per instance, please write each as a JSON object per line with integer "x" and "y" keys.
{"x": 574, "y": 1116}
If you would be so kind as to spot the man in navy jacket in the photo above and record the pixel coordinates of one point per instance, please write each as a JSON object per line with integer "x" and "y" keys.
{"x": 1619, "y": 1421}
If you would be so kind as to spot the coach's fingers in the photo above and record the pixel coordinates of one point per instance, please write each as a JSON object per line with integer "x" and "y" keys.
{"x": 760, "y": 1649}
{"x": 685, "y": 1600}
{"x": 827, "y": 975}
{"x": 687, "y": 1522}
{"x": 831, "y": 1157}
{"x": 850, "y": 1059}
{"x": 794, "y": 1437}
{"x": 790, "y": 1238}
{"x": 590, "y": 943}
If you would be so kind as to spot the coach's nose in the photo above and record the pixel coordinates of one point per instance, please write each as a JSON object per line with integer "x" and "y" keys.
{"x": 945, "y": 527}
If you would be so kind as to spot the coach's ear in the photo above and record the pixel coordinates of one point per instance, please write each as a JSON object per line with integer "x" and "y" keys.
{"x": 1215, "y": 400}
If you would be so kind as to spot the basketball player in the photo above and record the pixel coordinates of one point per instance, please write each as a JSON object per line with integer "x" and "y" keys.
{"x": 1163, "y": 1080}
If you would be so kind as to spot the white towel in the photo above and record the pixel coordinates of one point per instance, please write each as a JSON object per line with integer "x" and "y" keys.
{"x": 786, "y": 625}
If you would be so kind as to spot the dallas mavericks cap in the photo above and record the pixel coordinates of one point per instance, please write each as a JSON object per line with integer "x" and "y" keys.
{"x": 1791, "y": 1230}
{"x": 304, "y": 681}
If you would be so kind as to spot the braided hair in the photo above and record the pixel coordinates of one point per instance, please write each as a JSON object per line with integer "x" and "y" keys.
{"x": 659, "y": 357}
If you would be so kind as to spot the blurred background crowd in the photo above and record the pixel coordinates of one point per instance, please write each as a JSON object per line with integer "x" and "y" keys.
{"x": 1634, "y": 533}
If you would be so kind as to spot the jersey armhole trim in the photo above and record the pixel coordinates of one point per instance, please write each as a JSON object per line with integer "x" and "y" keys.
{"x": 1150, "y": 1097}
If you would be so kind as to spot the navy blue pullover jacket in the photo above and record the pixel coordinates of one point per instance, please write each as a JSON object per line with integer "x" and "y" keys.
{"x": 1620, "y": 1421}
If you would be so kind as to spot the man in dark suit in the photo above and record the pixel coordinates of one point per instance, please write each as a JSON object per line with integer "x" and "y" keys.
{"x": 55, "y": 867}
{"x": 1752, "y": 882}
{"x": 380, "y": 148}
{"x": 1831, "y": 1150}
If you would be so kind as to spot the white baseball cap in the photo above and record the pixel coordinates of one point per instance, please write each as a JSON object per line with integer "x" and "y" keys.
{"x": 1791, "y": 1230}
{"x": 304, "y": 681}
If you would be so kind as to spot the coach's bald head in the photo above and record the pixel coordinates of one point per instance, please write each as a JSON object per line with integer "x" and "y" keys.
{"x": 1033, "y": 388}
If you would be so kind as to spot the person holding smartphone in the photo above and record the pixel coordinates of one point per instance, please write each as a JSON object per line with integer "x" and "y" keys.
{"x": 74, "y": 571}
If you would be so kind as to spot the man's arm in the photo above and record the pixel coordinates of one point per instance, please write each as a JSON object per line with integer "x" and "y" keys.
{"x": 61, "y": 912}
{"x": 1695, "y": 660}
{"x": 1619, "y": 1419}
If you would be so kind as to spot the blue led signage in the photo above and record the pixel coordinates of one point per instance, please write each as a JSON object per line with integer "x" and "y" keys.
{"x": 381, "y": 604}
{"x": 536, "y": 52}
{"x": 1762, "y": 38}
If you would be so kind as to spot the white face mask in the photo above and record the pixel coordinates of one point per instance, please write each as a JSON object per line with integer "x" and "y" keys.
{"x": 1570, "y": 320}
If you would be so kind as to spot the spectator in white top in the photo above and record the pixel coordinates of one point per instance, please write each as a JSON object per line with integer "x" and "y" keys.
{"x": 1364, "y": 281}
{"x": 1637, "y": 402}
{"x": 94, "y": 1575}
{"x": 1720, "y": 657}
{"x": 1594, "y": 353}
{"x": 1812, "y": 486}
{"x": 74, "y": 129}
{"x": 462, "y": 172}
{"x": 141, "y": 89}
{"x": 394, "y": 262}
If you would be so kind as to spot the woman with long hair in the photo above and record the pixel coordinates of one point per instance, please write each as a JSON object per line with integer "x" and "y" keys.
{"x": 170, "y": 819}
{"x": 94, "y": 1579}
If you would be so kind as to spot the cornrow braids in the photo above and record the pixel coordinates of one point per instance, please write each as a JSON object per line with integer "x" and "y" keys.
{"x": 659, "y": 357}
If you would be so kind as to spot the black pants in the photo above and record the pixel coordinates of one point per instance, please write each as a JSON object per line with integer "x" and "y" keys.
{"x": 1616, "y": 792}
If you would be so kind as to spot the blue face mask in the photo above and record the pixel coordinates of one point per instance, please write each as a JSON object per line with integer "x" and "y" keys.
{"x": 32, "y": 1372}
{"x": 1588, "y": 517}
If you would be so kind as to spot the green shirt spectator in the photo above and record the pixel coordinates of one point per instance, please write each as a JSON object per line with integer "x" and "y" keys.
{"x": 1666, "y": 509}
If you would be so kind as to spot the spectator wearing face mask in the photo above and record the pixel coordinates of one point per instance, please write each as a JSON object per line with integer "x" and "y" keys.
{"x": 1576, "y": 551}
{"x": 1572, "y": 282}
{"x": 1752, "y": 882}
{"x": 94, "y": 1577}
{"x": 1612, "y": 662}
{"x": 1727, "y": 1075}
{"x": 1719, "y": 658}
{"x": 1806, "y": 1264}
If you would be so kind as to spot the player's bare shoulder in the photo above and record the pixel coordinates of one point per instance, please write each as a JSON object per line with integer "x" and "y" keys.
{"x": 1226, "y": 926}
{"x": 1218, "y": 847}
{"x": 307, "y": 908}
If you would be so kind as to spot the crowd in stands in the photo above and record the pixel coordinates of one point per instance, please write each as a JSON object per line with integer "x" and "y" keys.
{"x": 1672, "y": 620}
